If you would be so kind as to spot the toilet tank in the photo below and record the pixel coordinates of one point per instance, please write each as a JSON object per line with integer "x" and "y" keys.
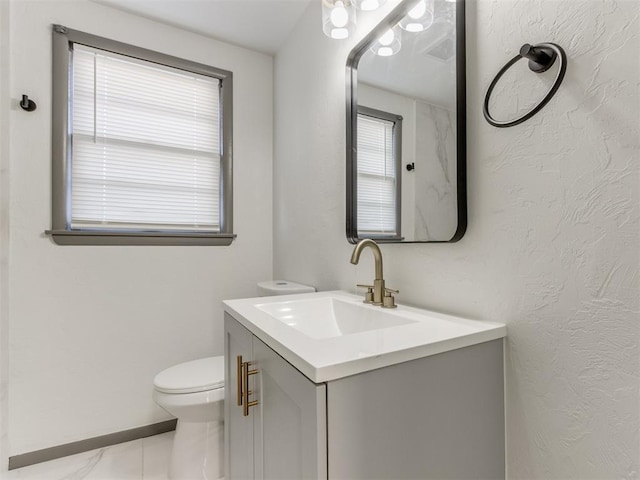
{"x": 282, "y": 287}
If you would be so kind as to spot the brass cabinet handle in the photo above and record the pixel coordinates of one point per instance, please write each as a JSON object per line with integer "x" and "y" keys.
{"x": 245, "y": 388}
{"x": 239, "y": 378}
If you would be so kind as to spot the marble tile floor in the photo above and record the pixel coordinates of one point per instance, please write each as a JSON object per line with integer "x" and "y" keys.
{"x": 143, "y": 459}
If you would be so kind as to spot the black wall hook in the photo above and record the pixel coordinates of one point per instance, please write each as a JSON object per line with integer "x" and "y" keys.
{"x": 27, "y": 104}
{"x": 540, "y": 58}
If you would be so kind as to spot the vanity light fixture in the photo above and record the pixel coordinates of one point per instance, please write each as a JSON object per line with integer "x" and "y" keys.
{"x": 419, "y": 17}
{"x": 338, "y": 18}
{"x": 388, "y": 43}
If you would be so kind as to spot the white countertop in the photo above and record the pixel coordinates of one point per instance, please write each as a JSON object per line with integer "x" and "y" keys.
{"x": 325, "y": 359}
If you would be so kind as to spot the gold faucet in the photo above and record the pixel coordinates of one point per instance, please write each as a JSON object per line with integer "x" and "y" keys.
{"x": 376, "y": 294}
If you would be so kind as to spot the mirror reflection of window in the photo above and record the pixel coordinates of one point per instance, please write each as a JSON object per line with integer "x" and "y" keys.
{"x": 423, "y": 80}
{"x": 379, "y": 186}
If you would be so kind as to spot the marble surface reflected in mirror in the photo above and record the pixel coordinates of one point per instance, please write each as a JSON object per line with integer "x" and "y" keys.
{"x": 406, "y": 145}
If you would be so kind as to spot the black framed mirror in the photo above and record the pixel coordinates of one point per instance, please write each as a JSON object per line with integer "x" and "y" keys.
{"x": 406, "y": 126}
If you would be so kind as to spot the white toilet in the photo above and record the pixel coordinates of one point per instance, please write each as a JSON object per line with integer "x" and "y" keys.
{"x": 194, "y": 393}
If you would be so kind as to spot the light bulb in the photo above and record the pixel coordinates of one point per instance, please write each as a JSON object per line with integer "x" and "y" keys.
{"x": 338, "y": 18}
{"x": 386, "y": 39}
{"x": 368, "y": 5}
{"x": 418, "y": 11}
{"x": 414, "y": 27}
{"x": 419, "y": 18}
{"x": 339, "y": 33}
{"x": 339, "y": 15}
{"x": 389, "y": 43}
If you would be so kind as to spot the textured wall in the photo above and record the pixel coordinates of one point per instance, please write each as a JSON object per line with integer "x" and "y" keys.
{"x": 91, "y": 326}
{"x": 553, "y": 242}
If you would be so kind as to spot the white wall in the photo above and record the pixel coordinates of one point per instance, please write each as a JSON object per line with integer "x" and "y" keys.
{"x": 552, "y": 247}
{"x": 4, "y": 225}
{"x": 91, "y": 326}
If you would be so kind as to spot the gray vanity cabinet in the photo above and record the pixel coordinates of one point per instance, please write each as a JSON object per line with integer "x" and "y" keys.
{"x": 238, "y": 429}
{"x": 436, "y": 417}
{"x": 284, "y": 434}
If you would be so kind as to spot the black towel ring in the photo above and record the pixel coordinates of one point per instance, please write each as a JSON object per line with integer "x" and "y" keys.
{"x": 541, "y": 58}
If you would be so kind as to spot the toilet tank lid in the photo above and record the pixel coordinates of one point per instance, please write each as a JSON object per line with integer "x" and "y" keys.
{"x": 283, "y": 287}
{"x": 190, "y": 377}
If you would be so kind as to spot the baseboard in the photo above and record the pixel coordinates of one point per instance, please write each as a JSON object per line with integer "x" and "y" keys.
{"x": 51, "y": 453}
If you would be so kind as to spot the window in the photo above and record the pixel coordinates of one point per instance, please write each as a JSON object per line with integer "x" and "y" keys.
{"x": 141, "y": 147}
{"x": 378, "y": 186}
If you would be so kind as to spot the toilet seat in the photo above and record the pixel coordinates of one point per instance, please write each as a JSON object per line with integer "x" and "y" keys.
{"x": 191, "y": 377}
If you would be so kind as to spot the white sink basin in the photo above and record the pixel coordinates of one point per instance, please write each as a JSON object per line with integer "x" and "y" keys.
{"x": 331, "y": 317}
{"x": 331, "y": 335}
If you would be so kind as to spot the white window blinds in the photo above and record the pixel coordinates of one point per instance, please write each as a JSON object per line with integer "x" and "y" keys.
{"x": 376, "y": 177}
{"x": 146, "y": 145}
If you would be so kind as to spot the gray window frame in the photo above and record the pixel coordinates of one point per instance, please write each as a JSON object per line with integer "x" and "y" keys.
{"x": 61, "y": 232}
{"x": 397, "y": 158}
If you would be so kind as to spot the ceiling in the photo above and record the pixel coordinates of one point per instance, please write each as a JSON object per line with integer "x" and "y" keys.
{"x": 261, "y": 25}
{"x": 425, "y": 66}
{"x": 422, "y": 69}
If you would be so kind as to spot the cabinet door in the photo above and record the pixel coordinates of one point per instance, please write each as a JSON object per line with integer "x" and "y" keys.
{"x": 238, "y": 429}
{"x": 290, "y": 426}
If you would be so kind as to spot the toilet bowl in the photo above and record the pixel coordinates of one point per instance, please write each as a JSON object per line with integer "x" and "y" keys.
{"x": 193, "y": 392}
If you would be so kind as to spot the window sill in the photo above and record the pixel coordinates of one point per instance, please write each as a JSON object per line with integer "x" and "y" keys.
{"x": 380, "y": 239}
{"x": 70, "y": 237}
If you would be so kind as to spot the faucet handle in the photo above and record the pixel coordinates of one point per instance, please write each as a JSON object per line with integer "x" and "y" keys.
{"x": 368, "y": 297}
{"x": 388, "y": 301}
